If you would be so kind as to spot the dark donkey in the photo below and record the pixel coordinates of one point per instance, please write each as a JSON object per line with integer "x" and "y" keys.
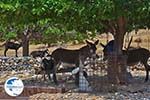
{"x": 12, "y": 45}
{"x": 61, "y": 55}
{"x": 41, "y": 53}
{"x": 133, "y": 56}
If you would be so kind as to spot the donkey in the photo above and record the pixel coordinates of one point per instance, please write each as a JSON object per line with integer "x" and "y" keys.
{"x": 41, "y": 54}
{"x": 12, "y": 45}
{"x": 134, "y": 56}
{"x": 61, "y": 55}
{"x": 48, "y": 65}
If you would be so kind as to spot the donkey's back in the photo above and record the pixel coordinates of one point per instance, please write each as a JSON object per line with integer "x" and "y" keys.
{"x": 72, "y": 56}
{"x": 137, "y": 55}
{"x": 65, "y": 55}
{"x": 12, "y": 45}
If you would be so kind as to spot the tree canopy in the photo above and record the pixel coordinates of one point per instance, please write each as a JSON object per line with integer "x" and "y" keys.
{"x": 56, "y": 17}
{"x": 64, "y": 20}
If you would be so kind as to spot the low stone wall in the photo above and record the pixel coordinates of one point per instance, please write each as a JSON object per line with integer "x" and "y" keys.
{"x": 18, "y": 63}
{"x": 22, "y": 67}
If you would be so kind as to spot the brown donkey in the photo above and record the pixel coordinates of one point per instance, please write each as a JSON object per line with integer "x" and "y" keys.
{"x": 13, "y": 46}
{"x": 61, "y": 55}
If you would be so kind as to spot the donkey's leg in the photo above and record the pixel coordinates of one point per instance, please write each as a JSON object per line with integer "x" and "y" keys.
{"x": 44, "y": 75}
{"x": 77, "y": 76}
{"x": 16, "y": 53}
{"x": 49, "y": 77}
{"x": 147, "y": 68}
{"x": 55, "y": 79}
{"x": 5, "y": 51}
{"x": 54, "y": 73}
{"x": 56, "y": 67}
{"x": 147, "y": 75}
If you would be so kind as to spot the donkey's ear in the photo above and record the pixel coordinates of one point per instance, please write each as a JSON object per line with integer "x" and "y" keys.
{"x": 88, "y": 43}
{"x": 96, "y": 42}
{"x": 102, "y": 45}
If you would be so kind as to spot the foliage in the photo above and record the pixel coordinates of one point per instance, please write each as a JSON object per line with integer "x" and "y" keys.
{"x": 10, "y": 35}
{"x": 54, "y": 18}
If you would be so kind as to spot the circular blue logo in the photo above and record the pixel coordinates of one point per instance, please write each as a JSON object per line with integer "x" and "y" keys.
{"x": 13, "y": 86}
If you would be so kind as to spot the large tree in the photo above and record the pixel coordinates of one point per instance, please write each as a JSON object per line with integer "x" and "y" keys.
{"x": 115, "y": 16}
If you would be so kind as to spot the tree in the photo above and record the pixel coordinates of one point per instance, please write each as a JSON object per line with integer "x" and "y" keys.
{"x": 16, "y": 16}
{"x": 130, "y": 15}
{"x": 115, "y": 16}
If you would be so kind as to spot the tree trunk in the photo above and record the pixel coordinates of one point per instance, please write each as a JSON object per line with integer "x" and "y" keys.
{"x": 25, "y": 44}
{"x": 119, "y": 36}
{"x": 117, "y": 73}
{"x": 117, "y": 69}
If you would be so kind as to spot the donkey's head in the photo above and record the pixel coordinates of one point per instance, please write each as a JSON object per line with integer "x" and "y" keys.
{"x": 90, "y": 49}
{"x": 108, "y": 48}
{"x": 46, "y": 52}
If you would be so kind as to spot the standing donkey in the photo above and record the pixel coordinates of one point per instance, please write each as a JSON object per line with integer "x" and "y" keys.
{"x": 13, "y": 46}
{"x": 133, "y": 56}
{"x": 61, "y": 55}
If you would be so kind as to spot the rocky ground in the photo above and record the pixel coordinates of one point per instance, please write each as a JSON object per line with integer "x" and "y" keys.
{"x": 89, "y": 96}
{"x": 133, "y": 91}
{"x": 136, "y": 90}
